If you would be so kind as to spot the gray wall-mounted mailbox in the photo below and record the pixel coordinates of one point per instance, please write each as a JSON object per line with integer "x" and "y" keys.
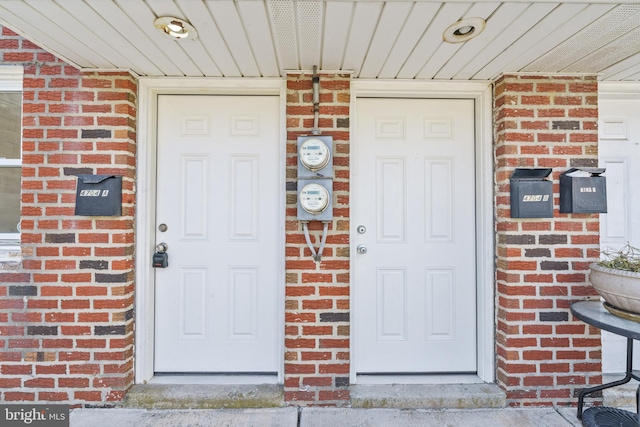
{"x": 99, "y": 195}
{"x": 531, "y": 193}
{"x": 583, "y": 190}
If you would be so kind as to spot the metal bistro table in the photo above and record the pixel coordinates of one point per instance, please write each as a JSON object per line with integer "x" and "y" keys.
{"x": 593, "y": 313}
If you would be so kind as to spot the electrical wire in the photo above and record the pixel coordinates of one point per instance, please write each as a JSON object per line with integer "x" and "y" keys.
{"x": 317, "y": 256}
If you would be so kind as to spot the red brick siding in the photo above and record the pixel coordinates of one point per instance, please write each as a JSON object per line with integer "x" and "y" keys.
{"x": 317, "y": 294}
{"x": 66, "y": 315}
{"x": 544, "y": 355}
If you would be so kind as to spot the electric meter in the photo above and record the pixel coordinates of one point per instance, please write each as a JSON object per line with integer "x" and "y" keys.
{"x": 315, "y": 173}
{"x": 314, "y": 154}
{"x": 314, "y": 198}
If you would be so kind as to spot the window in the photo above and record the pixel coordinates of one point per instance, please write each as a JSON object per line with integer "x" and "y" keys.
{"x": 10, "y": 151}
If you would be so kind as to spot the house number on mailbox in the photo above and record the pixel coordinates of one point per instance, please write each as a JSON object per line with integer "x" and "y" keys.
{"x": 535, "y": 198}
{"x": 94, "y": 193}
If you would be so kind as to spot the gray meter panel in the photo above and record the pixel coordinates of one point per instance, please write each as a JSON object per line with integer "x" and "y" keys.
{"x": 315, "y": 156}
{"x": 531, "y": 193}
{"x": 99, "y": 195}
{"x": 583, "y": 190}
{"x": 315, "y": 199}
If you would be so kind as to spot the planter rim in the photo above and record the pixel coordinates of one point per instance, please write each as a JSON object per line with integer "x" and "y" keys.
{"x": 596, "y": 267}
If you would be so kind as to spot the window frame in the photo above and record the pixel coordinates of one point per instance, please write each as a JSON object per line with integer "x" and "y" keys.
{"x": 11, "y": 81}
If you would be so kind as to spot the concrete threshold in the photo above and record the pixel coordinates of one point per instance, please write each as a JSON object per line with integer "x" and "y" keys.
{"x": 204, "y": 396}
{"x": 428, "y": 396}
{"x": 241, "y": 396}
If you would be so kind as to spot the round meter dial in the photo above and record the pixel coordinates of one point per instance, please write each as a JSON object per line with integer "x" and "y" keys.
{"x": 314, "y": 154}
{"x": 314, "y": 198}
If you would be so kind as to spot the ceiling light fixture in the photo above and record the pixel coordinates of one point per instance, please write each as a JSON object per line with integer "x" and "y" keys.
{"x": 464, "y": 30}
{"x": 176, "y": 28}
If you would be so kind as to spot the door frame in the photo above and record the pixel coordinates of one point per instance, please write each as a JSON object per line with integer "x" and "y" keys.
{"x": 148, "y": 91}
{"x": 481, "y": 93}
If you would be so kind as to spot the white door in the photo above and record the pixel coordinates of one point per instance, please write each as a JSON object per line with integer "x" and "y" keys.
{"x": 216, "y": 305}
{"x": 415, "y": 196}
{"x": 619, "y": 153}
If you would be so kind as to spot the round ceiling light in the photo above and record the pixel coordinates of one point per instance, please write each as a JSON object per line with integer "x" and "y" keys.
{"x": 176, "y": 28}
{"x": 463, "y": 30}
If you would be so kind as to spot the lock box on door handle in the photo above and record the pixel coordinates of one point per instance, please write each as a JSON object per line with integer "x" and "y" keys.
{"x": 161, "y": 257}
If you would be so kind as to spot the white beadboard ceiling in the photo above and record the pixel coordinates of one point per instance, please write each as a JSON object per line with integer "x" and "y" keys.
{"x": 371, "y": 39}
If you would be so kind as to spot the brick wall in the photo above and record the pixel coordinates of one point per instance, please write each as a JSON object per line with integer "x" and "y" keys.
{"x": 66, "y": 315}
{"x": 543, "y": 354}
{"x": 317, "y": 294}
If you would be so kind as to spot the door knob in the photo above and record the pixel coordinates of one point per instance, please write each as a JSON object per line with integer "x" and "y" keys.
{"x": 361, "y": 249}
{"x": 162, "y": 247}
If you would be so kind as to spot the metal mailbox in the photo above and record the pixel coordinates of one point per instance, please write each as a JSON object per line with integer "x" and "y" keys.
{"x": 531, "y": 193}
{"x": 583, "y": 190}
{"x": 99, "y": 195}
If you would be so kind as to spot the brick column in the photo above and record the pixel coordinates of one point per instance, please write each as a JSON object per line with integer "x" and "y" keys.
{"x": 544, "y": 355}
{"x": 66, "y": 316}
{"x": 317, "y": 294}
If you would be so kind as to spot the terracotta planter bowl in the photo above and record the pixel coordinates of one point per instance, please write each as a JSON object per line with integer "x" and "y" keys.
{"x": 619, "y": 288}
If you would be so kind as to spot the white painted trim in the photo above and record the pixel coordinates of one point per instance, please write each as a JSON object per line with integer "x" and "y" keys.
{"x": 11, "y": 77}
{"x": 481, "y": 93}
{"x": 618, "y": 90}
{"x": 414, "y": 89}
{"x": 10, "y": 162}
{"x": 103, "y": 70}
{"x": 10, "y": 251}
{"x": 148, "y": 91}
{"x": 485, "y": 226}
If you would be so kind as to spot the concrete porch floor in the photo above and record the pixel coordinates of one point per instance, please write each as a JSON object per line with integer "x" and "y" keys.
{"x": 322, "y": 417}
{"x": 620, "y": 396}
{"x": 409, "y": 405}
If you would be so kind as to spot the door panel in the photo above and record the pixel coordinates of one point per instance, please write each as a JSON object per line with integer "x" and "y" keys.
{"x": 619, "y": 153}
{"x": 217, "y": 192}
{"x": 392, "y": 313}
{"x": 415, "y": 291}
